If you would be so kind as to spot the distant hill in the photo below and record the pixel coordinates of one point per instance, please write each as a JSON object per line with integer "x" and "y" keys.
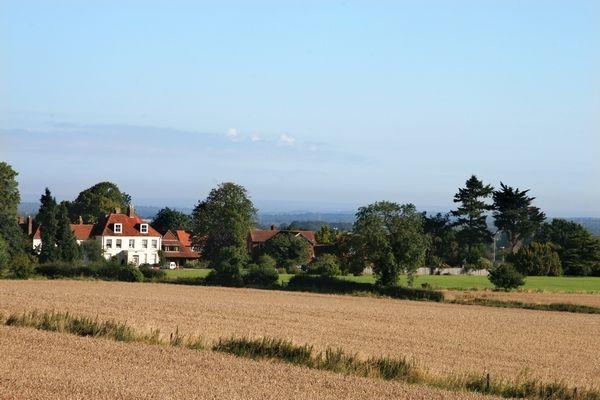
{"x": 591, "y": 224}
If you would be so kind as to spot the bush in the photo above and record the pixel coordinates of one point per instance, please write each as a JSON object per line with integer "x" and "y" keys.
{"x": 61, "y": 269}
{"x": 21, "y": 267}
{"x": 291, "y": 267}
{"x": 326, "y": 265}
{"x": 227, "y": 268}
{"x": 152, "y": 274}
{"x": 537, "y": 259}
{"x": 327, "y": 284}
{"x": 505, "y": 276}
{"x": 482, "y": 263}
{"x": 260, "y": 275}
{"x": 126, "y": 273}
{"x": 267, "y": 261}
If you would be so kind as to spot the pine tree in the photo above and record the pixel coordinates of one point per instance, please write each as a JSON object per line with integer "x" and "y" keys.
{"x": 473, "y": 233}
{"x": 515, "y": 216}
{"x": 46, "y": 218}
{"x": 65, "y": 238}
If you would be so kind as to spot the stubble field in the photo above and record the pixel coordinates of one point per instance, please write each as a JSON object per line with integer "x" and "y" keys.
{"x": 442, "y": 338}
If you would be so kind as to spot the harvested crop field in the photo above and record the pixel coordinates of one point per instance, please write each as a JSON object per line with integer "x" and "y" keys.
{"x": 528, "y": 297}
{"x": 443, "y": 338}
{"x": 44, "y": 365}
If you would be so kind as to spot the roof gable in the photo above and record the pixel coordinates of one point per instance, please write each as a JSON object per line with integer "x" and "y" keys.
{"x": 130, "y": 226}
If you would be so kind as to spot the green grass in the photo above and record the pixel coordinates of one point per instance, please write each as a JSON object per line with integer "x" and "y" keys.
{"x": 463, "y": 282}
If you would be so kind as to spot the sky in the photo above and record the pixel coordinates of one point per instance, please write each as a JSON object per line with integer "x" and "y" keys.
{"x": 316, "y": 106}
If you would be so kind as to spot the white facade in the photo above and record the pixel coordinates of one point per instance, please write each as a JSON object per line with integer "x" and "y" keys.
{"x": 135, "y": 250}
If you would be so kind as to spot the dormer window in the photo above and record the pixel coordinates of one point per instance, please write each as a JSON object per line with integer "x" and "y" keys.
{"x": 118, "y": 228}
{"x": 144, "y": 228}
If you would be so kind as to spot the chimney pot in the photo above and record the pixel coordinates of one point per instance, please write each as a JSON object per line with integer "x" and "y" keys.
{"x": 130, "y": 211}
{"x": 272, "y": 227}
{"x": 117, "y": 210}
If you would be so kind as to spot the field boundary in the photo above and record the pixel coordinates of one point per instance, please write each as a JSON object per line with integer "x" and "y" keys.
{"x": 281, "y": 350}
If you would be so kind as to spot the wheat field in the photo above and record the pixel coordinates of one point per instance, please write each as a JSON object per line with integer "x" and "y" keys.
{"x": 592, "y": 300}
{"x": 442, "y": 338}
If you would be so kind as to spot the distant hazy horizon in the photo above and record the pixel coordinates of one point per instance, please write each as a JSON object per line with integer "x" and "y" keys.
{"x": 311, "y": 106}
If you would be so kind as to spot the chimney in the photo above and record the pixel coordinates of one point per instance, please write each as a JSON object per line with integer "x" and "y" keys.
{"x": 272, "y": 227}
{"x": 80, "y": 220}
{"x": 130, "y": 211}
{"x": 29, "y": 225}
{"x": 117, "y": 210}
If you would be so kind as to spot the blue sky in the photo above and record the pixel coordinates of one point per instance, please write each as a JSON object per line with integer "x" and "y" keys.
{"x": 310, "y": 105}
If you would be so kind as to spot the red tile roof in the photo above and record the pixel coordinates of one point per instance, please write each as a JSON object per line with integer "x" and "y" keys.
{"x": 182, "y": 240}
{"x": 262, "y": 235}
{"x": 81, "y": 231}
{"x": 131, "y": 226}
{"x": 184, "y": 237}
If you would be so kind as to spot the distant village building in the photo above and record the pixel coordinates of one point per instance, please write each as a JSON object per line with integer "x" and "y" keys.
{"x": 126, "y": 237}
{"x": 258, "y": 237}
{"x": 177, "y": 247}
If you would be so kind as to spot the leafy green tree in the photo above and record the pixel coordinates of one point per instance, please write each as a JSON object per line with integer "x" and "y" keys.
{"x": 4, "y": 256}
{"x": 349, "y": 251}
{"x": 325, "y": 235}
{"x": 473, "y": 233}
{"x": 267, "y": 261}
{"x": 97, "y": 201}
{"x": 47, "y": 219}
{"x": 515, "y": 216}
{"x": 91, "y": 251}
{"x": 444, "y": 247}
{"x": 9, "y": 202}
{"x": 66, "y": 241}
{"x": 21, "y": 266}
{"x": 287, "y": 248}
{"x": 223, "y": 219}
{"x": 578, "y": 250}
{"x": 505, "y": 276}
{"x": 392, "y": 239}
{"x": 227, "y": 266}
{"x": 168, "y": 219}
{"x": 537, "y": 259}
{"x": 326, "y": 265}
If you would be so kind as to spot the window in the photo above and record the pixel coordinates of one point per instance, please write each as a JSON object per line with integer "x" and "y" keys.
{"x": 118, "y": 245}
{"x": 144, "y": 228}
{"x": 145, "y": 243}
{"x": 109, "y": 243}
{"x": 131, "y": 243}
{"x": 118, "y": 228}
{"x": 154, "y": 243}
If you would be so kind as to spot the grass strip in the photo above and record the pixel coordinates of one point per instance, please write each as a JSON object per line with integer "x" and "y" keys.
{"x": 334, "y": 360}
{"x": 565, "y": 307}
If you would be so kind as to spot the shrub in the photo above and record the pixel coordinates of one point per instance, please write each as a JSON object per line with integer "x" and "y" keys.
{"x": 287, "y": 246}
{"x": 537, "y": 259}
{"x": 227, "y": 267}
{"x": 63, "y": 270}
{"x": 291, "y": 267}
{"x": 267, "y": 261}
{"x": 260, "y": 275}
{"x": 505, "y": 276}
{"x": 482, "y": 263}
{"x": 126, "y": 273}
{"x": 326, "y": 265}
{"x": 21, "y": 267}
{"x": 152, "y": 274}
{"x": 327, "y": 284}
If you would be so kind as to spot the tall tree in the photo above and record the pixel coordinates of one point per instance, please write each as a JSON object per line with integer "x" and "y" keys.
{"x": 515, "y": 216}
{"x": 444, "y": 247}
{"x": 66, "y": 242}
{"x": 578, "y": 250}
{"x": 392, "y": 239}
{"x": 223, "y": 219}
{"x": 97, "y": 201}
{"x": 168, "y": 219}
{"x": 287, "y": 247}
{"x": 325, "y": 235}
{"x": 473, "y": 233}
{"x": 9, "y": 202}
{"x": 47, "y": 219}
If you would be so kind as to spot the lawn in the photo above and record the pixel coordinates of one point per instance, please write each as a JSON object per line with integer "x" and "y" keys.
{"x": 545, "y": 283}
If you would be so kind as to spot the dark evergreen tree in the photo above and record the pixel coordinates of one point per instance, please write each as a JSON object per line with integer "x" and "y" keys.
{"x": 444, "y": 247}
{"x": 168, "y": 219}
{"x": 515, "y": 216}
{"x": 68, "y": 249}
{"x": 47, "y": 219}
{"x": 9, "y": 201}
{"x": 473, "y": 233}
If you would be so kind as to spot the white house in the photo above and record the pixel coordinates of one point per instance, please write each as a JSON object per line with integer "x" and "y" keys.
{"x": 124, "y": 236}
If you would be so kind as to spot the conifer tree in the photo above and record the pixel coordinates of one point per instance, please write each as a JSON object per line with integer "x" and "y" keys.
{"x": 46, "y": 218}
{"x": 473, "y": 233}
{"x": 65, "y": 238}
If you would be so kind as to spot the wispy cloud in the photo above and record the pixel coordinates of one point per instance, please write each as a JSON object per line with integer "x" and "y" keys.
{"x": 286, "y": 140}
{"x": 232, "y": 134}
{"x": 255, "y": 137}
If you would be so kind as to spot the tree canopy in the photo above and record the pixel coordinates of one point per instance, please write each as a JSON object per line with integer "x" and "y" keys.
{"x": 168, "y": 219}
{"x": 473, "y": 233}
{"x": 223, "y": 219}
{"x": 97, "y": 201}
{"x": 444, "y": 248}
{"x": 287, "y": 248}
{"x": 392, "y": 239}
{"x": 47, "y": 219}
{"x": 9, "y": 202}
{"x": 515, "y": 216}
